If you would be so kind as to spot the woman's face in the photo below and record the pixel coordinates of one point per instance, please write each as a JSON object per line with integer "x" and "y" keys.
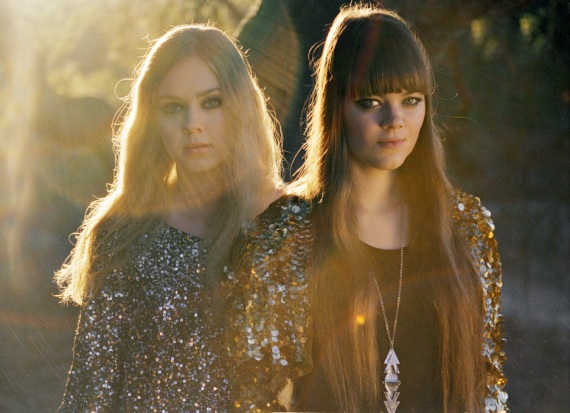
{"x": 191, "y": 121}
{"x": 383, "y": 130}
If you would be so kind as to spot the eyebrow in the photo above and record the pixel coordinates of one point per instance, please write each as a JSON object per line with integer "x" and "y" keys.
{"x": 403, "y": 92}
{"x": 199, "y": 95}
{"x": 209, "y": 91}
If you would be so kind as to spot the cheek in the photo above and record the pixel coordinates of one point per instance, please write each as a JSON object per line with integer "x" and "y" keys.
{"x": 220, "y": 125}
{"x": 166, "y": 132}
{"x": 219, "y": 128}
{"x": 417, "y": 127}
{"x": 168, "y": 146}
{"x": 165, "y": 127}
{"x": 356, "y": 126}
{"x": 357, "y": 142}
{"x": 420, "y": 118}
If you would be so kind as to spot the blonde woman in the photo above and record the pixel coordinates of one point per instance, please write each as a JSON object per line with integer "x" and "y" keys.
{"x": 375, "y": 285}
{"x": 197, "y": 155}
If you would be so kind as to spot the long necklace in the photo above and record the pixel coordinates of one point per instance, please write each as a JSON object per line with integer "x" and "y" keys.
{"x": 391, "y": 381}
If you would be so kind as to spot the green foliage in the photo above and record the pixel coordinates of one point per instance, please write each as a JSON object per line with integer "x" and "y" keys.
{"x": 87, "y": 47}
{"x": 510, "y": 119}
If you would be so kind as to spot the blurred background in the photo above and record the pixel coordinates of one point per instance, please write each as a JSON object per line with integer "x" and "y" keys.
{"x": 503, "y": 74}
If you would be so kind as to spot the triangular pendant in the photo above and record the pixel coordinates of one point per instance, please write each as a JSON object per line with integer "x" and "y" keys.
{"x": 391, "y": 381}
{"x": 391, "y": 362}
{"x": 391, "y": 406}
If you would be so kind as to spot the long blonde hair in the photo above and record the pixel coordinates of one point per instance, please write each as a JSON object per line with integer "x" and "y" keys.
{"x": 374, "y": 51}
{"x": 144, "y": 169}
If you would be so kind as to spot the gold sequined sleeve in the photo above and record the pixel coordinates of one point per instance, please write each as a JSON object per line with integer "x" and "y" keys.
{"x": 268, "y": 306}
{"x": 475, "y": 224}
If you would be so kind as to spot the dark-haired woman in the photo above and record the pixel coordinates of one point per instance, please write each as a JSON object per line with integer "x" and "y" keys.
{"x": 374, "y": 285}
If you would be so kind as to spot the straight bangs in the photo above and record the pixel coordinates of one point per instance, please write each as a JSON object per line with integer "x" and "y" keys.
{"x": 387, "y": 75}
{"x": 383, "y": 64}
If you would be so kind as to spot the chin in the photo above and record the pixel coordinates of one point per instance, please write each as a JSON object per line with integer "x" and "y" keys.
{"x": 204, "y": 171}
{"x": 389, "y": 166}
{"x": 200, "y": 170}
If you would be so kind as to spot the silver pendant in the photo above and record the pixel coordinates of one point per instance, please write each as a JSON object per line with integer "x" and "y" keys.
{"x": 391, "y": 381}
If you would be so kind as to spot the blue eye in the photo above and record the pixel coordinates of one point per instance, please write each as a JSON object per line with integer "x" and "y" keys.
{"x": 212, "y": 102}
{"x": 412, "y": 100}
{"x": 367, "y": 103}
{"x": 172, "y": 108}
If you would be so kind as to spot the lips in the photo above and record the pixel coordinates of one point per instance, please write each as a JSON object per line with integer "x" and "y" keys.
{"x": 391, "y": 143}
{"x": 197, "y": 147}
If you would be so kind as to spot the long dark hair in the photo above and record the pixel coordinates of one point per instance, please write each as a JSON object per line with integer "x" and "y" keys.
{"x": 374, "y": 51}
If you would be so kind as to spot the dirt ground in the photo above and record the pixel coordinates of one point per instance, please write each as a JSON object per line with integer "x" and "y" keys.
{"x": 36, "y": 345}
{"x": 35, "y": 355}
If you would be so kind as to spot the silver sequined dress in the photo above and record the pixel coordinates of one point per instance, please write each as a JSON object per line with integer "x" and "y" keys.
{"x": 268, "y": 290}
{"x": 146, "y": 342}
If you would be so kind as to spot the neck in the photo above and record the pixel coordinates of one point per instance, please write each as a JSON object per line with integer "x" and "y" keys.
{"x": 200, "y": 190}
{"x": 376, "y": 190}
{"x": 194, "y": 201}
{"x": 379, "y": 208}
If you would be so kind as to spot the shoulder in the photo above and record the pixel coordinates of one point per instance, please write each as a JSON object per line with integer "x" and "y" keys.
{"x": 284, "y": 218}
{"x": 106, "y": 234}
{"x": 286, "y": 208}
{"x": 115, "y": 245}
{"x": 470, "y": 214}
{"x": 271, "y": 255}
{"x": 114, "y": 232}
{"x": 475, "y": 226}
{"x": 276, "y": 236}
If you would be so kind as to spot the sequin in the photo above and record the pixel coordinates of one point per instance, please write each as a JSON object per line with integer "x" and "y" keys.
{"x": 267, "y": 291}
{"x": 148, "y": 341}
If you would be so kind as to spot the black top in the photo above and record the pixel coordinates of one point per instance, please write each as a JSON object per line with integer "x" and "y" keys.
{"x": 415, "y": 343}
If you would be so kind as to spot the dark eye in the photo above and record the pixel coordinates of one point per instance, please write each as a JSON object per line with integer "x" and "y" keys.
{"x": 367, "y": 103}
{"x": 212, "y": 102}
{"x": 172, "y": 108}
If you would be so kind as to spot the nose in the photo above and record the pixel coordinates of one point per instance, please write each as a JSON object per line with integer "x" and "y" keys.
{"x": 392, "y": 117}
{"x": 192, "y": 123}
